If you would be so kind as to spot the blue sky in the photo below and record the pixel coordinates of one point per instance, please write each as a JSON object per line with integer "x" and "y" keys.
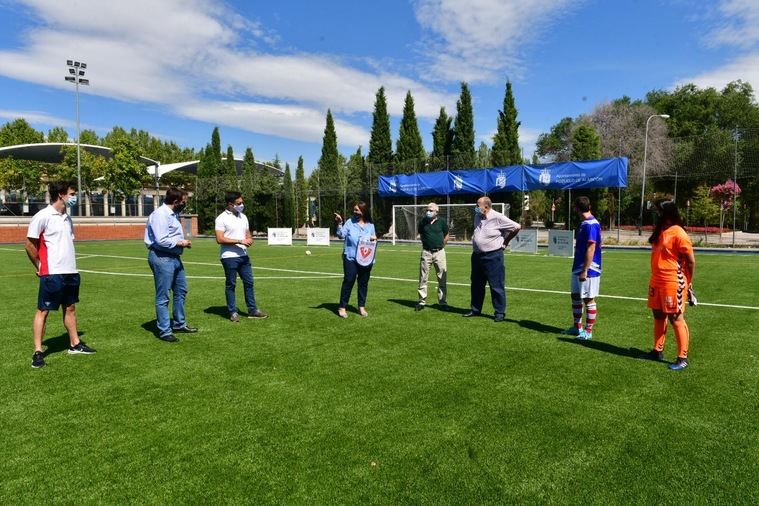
{"x": 266, "y": 72}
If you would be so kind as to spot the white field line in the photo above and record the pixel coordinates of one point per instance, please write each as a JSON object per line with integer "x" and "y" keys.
{"x": 337, "y": 275}
{"x": 216, "y": 278}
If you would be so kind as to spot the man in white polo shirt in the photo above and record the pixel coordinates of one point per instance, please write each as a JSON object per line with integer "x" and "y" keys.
{"x": 50, "y": 247}
{"x": 233, "y": 234}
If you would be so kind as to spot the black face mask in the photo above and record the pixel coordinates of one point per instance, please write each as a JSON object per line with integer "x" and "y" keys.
{"x": 357, "y": 216}
{"x": 179, "y": 208}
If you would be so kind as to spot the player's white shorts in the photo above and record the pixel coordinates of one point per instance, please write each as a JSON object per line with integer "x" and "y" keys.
{"x": 587, "y": 289}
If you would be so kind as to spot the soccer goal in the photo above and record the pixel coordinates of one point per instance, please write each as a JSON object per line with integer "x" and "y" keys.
{"x": 460, "y": 218}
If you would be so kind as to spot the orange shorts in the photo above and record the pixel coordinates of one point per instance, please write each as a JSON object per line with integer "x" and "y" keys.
{"x": 668, "y": 298}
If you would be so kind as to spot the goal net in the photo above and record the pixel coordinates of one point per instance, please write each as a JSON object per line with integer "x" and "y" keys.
{"x": 460, "y": 218}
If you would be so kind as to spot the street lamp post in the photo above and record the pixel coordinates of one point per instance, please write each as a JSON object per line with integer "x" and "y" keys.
{"x": 76, "y": 76}
{"x": 645, "y": 154}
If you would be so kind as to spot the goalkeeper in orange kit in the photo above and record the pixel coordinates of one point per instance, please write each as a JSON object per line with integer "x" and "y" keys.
{"x": 672, "y": 267}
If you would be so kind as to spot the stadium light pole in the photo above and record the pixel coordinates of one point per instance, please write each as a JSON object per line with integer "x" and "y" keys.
{"x": 645, "y": 154}
{"x": 76, "y": 76}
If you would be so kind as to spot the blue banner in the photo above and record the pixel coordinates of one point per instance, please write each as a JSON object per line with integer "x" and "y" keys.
{"x": 610, "y": 173}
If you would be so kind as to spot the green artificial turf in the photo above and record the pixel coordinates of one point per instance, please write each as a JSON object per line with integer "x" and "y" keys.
{"x": 400, "y": 407}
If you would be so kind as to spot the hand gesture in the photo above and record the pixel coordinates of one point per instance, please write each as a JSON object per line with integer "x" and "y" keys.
{"x": 338, "y": 218}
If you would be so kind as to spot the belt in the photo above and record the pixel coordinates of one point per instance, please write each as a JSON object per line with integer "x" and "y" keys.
{"x": 434, "y": 250}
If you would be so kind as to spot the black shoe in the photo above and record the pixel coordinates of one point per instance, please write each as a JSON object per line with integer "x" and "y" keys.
{"x": 419, "y": 307}
{"x": 81, "y": 349}
{"x": 471, "y": 314}
{"x": 499, "y": 318}
{"x": 185, "y": 329}
{"x": 654, "y": 355}
{"x": 169, "y": 338}
{"x": 258, "y": 314}
{"x": 38, "y": 360}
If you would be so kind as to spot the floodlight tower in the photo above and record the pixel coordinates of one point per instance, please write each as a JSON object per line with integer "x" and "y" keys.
{"x": 645, "y": 153}
{"x": 76, "y": 76}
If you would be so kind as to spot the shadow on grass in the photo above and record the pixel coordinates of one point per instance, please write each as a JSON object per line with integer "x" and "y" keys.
{"x": 58, "y": 344}
{"x": 536, "y": 326}
{"x": 151, "y": 326}
{"x": 445, "y": 309}
{"x": 218, "y": 311}
{"x": 606, "y": 348}
{"x": 332, "y": 307}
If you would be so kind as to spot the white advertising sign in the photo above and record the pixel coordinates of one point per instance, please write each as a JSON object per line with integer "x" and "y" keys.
{"x": 317, "y": 237}
{"x": 561, "y": 243}
{"x": 280, "y": 236}
{"x": 526, "y": 241}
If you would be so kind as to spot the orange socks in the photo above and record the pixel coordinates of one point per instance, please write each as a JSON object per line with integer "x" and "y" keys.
{"x": 682, "y": 334}
{"x": 660, "y": 333}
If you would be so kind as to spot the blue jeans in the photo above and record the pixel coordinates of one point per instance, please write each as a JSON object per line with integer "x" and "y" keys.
{"x": 488, "y": 268}
{"x": 233, "y": 267}
{"x": 351, "y": 272}
{"x": 168, "y": 274}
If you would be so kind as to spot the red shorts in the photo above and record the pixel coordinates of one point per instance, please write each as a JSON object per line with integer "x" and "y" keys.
{"x": 668, "y": 298}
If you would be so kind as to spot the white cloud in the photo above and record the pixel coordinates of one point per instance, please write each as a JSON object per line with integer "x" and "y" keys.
{"x": 37, "y": 117}
{"x": 739, "y": 25}
{"x": 190, "y": 56}
{"x": 289, "y": 121}
{"x": 744, "y": 67}
{"x": 477, "y": 40}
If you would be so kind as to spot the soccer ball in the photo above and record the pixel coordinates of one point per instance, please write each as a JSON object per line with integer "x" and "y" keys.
{"x": 308, "y": 252}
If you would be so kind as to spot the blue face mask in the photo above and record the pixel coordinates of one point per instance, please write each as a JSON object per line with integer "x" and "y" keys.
{"x": 477, "y": 210}
{"x": 239, "y": 208}
{"x": 430, "y": 214}
{"x": 71, "y": 202}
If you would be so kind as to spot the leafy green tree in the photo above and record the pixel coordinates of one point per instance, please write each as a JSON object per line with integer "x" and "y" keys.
{"x": 380, "y": 144}
{"x": 703, "y": 208}
{"x": 230, "y": 166}
{"x": 89, "y": 137}
{"x": 409, "y": 151}
{"x": 586, "y": 145}
{"x": 483, "y": 156}
{"x": 442, "y": 139}
{"x": 57, "y": 134}
{"x": 506, "y": 150}
{"x": 125, "y": 174}
{"x": 462, "y": 148}
{"x": 19, "y": 131}
{"x": 557, "y": 144}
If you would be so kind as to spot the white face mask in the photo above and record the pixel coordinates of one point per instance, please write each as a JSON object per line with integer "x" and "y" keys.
{"x": 239, "y": 208}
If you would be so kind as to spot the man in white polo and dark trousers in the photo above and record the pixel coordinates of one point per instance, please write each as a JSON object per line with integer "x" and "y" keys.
{"x": 50, "y": 247}
{"x": 233, "y": 234}
{"x": 433, "y": 231}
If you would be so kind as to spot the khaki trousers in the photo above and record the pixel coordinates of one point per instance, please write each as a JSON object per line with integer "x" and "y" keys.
{"x": 438, "y": 260}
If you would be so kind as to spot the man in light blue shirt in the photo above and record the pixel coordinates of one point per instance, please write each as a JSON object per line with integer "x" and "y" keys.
{"x": 166, "y": 243}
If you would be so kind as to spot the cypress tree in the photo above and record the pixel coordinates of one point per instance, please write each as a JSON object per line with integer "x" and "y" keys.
{"x": 329, "y": 172}
{"x": 409, "y": 152}
{"x": 288, "y": 199}
{"x": 462, "y": 148}
{"x": 301, "y": 194}
{"x": 230, "y": 167}
{"x": 215, "y": 156}
{"x": 506, "y": 150}
{"x": 248, "y": 186}
{"x": 380, "y": 143}
{"x": 442, "y": 136}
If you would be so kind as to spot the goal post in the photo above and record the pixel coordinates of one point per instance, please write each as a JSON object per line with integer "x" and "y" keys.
{"x": 460, "y": 218}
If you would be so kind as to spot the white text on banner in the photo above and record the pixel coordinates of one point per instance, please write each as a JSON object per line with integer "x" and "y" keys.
{"x": 317, "y": 237}
{"x": 280, "y": 236}
{"x": 561, "y": 243}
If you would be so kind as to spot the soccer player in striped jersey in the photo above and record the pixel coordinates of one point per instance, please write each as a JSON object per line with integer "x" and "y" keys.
{"x": 585, "y": 281}
{"x": 672, "y": 268}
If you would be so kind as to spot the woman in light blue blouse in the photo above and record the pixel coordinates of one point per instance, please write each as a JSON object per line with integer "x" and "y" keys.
{"x": 358, "y": 227}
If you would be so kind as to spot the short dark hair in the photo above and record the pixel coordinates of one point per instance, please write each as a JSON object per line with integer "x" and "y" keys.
{"x": 173, "y": 195}
{"x": 58, "y": 188}
{"x": 230, "y": 197}
{"x": 582, "y": 204}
